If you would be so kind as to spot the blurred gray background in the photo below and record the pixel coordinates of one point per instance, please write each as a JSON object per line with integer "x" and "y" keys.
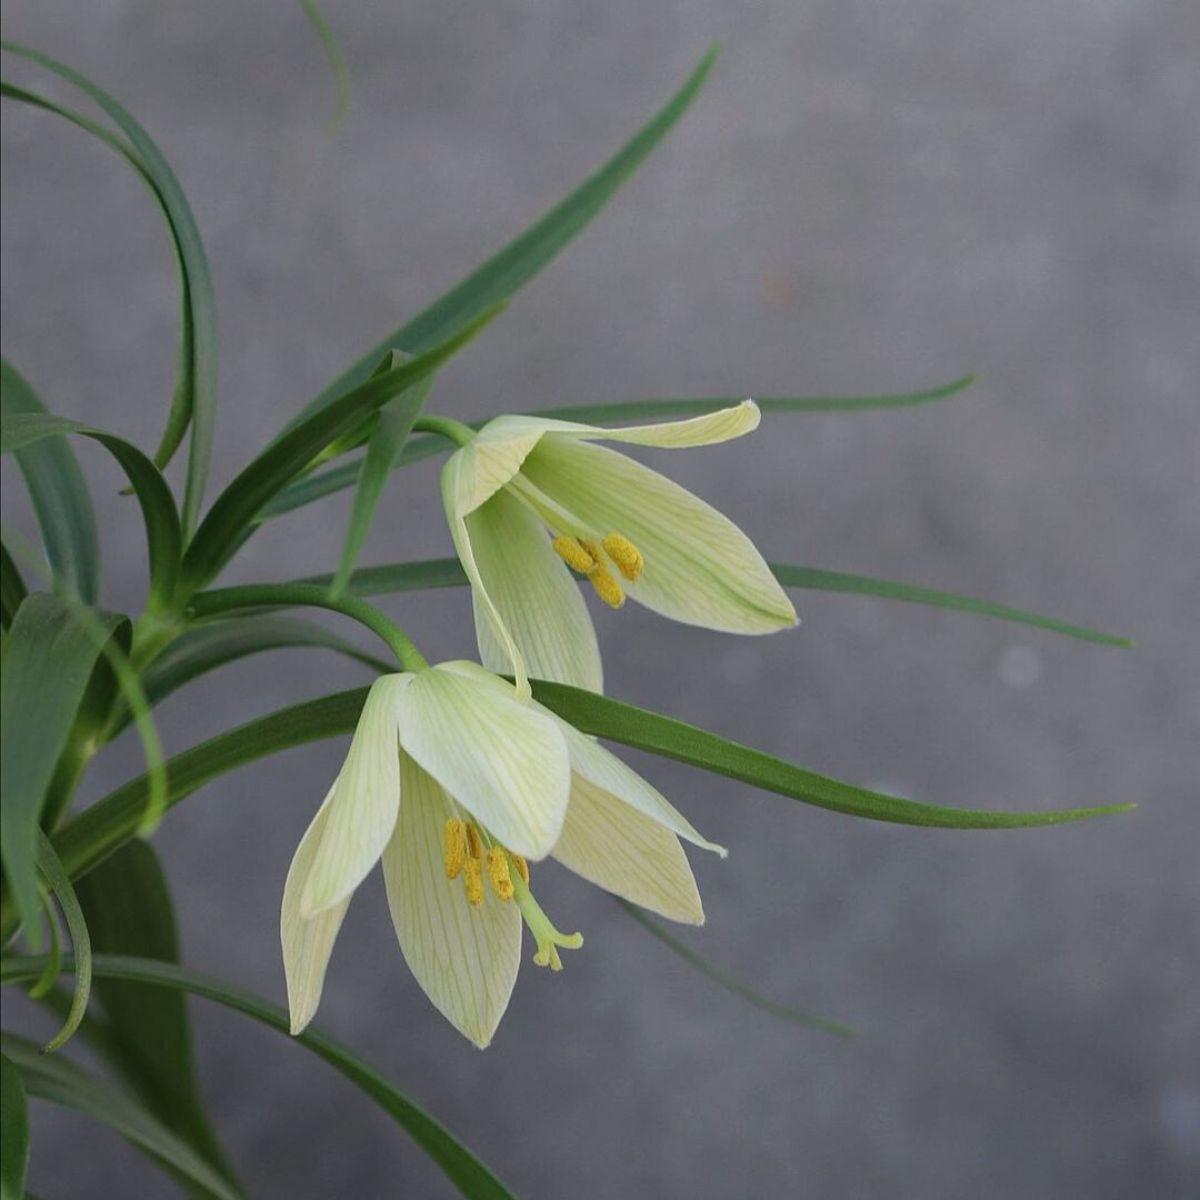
{"x": 868, "y": 197}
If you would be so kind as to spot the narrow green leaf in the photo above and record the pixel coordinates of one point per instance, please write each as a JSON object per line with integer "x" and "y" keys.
{"x": 645, "y": 730}
{"x": 238, "y": 505}
{"x": 81, "y": 946}
{"x": 507, "y": 272}
{"x": 468, "y": 1173}
{"x": 14, "y": 1131}
{"x": 61, "y": 1081}
{"x": 728, "y": 982}
{"x": 60, "y": 496}
{"x": 49, "y": 978}
{"x": 390, "y": 431}
{"x": 215, "y": 643}
{"x": 335, "y": 479}
{"x": 48, "y": 662}
{"x": 388, "y": 578}
{"x": 195, "y": 397}
{"x": 163, "y": 536}
{"x": 337, "y": 62}
{"x": 128, "y": 909}
{"x": 839, "y": 581}
{"x": 12, "y": 588}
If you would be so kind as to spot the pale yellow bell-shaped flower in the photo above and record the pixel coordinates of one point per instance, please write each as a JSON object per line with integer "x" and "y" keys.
{"x": 456, "y": 785}
{"x": 529, "y": 497}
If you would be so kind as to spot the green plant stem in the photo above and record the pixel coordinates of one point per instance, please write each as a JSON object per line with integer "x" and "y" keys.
{"x": 447, "y": 427}
{"x": 270, "y": 595}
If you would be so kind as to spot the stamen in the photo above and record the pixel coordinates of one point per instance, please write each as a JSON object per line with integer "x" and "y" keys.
{"x": 476, "y": 846}
{"x": 607, "y": 587}
{"x": 518, "y": 861}
{"x": 454, "y": 847}
{"x": 548, "y": 938}
{"x": 473, "y": 882}
{"x": 497, "y": 862}
{"x": 574, "y": 555}
{"x": 625, "y": 554}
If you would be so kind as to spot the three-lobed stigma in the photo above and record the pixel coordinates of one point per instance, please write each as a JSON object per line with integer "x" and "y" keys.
{"x": 508, "y": 873}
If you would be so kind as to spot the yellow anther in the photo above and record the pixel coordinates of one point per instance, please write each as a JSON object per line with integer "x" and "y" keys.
{"x": 454, "y": 847}
{"x": 473, "y": 842}
{"x": 572, "y": 552}
{"x": 607, "y": 587}
{"x": 518, "y": 861}
{"x": 473, "y": 882}
{"x": 625, "y": 554}
{"x": 497, "y": 862}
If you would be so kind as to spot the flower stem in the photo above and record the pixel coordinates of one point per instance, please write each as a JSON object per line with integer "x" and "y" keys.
{"x": 289, "y": 595}
{"x": 447, "y": 427}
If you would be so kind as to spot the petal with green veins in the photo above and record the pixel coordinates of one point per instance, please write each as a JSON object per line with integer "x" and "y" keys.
{"x": 307, "y": 944}
{"x": 700, "y": 568}
{"x": 627, "y": 853}
{"x": 505, "y": 762}
{"x": 464, "y": 958}
{"x": 530, "y": 587}
{"x": 361, "y": 810}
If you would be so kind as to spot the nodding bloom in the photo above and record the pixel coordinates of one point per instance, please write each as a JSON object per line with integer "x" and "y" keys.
{"x": 530, "y": 500}
{"x": 458, "y": 786}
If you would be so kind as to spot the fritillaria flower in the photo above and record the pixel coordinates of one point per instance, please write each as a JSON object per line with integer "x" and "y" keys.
{"x": 528, "y": 498}
{"x": 457, "y": 786}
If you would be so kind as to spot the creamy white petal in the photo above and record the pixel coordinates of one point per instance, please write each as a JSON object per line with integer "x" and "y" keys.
{"x": 700, "y": 568}
{"x": 491, "y": 459}
{"x": 361, "y": 810}
{"x": 535, "y": 596}
{"x": 606, "y": 772}
{"x": 464, "y": 958}
{"x": 706, "y": 430}
{"x": 504, "y": 761}
{"x": 490, "y": 627}
{"x": 625, "y": 852}
{"x": 307, "y": 944}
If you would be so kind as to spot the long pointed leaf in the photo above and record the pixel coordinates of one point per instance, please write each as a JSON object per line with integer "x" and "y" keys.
{"x": 195, "y": 398}
{"x": 335, "y": 479}
{"x": 128, "y": 910}
{"x": 467, "y": 1172}
{"x": 163, "y": 536}
{"x": 388, "y": 578}
{"x": 61, "y": 1081}
{"x": 665, "y": 736}
{"x": 337, "y": 61}
{"x": 12, "y": 588}
{"x": 81, "y": 944}
{"x": 506, "y": 272}
{"x": 238, "y": 505}
{"x": 60, "y": 496}
{"x": 14, "y": 1131}
{"x": 49, "y": 657}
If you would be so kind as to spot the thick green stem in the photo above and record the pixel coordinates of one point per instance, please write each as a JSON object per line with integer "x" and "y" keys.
{"x": 288, "y": 595}
{"x": 447, "y": 427}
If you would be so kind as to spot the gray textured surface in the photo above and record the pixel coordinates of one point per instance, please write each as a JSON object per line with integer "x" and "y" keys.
{"x": 868, "y": 197}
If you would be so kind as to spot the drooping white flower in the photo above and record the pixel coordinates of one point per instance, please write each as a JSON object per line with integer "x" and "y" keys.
{"x": 456, "y": 785}
{"x": 528, "y": 497}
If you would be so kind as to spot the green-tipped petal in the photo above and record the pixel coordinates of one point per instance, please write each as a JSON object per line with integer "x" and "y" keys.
{"x": 464, "y": 958}
{"x": 699, "y": 567}
{"x": 361, "y": 810}
{"x": 307, "y": 944}
{"x": 621, "y": 850}
{"x": 490, "y": 627}
{"x": 706, "y": 430}
{"x": 535, "y": 596}
{"x": 504, "y": 761}
{"x": 604, "y": 771}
